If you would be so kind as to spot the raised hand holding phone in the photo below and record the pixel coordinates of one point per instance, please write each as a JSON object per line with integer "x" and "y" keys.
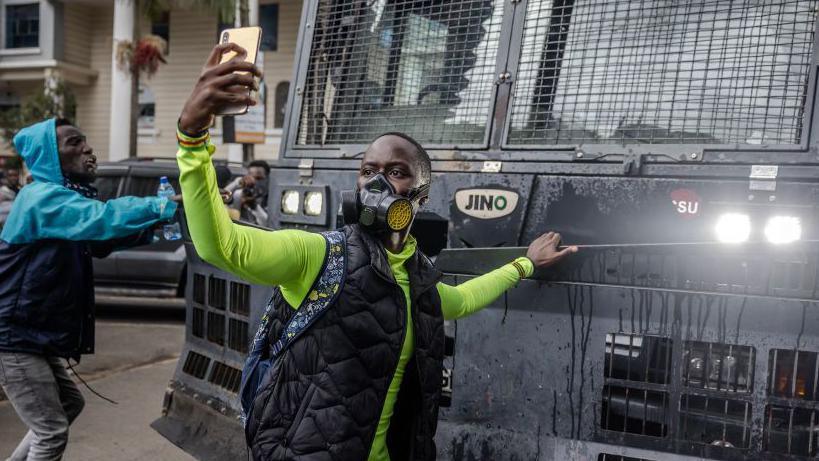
{"x": 248, "y": 38}
{"x": 221, "y": 86}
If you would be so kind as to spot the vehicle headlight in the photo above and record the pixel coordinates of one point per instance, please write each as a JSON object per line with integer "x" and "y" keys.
{"x": 783, "y": 229}
{"x": 733, "y": 228}
{"x": 290, "y": 202}
{"x": 313, "y": 203}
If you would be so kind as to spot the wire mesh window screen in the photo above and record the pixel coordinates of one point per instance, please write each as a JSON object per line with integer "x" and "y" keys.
{"x": 426, "y": 68}
{"x": 660, "y": 71}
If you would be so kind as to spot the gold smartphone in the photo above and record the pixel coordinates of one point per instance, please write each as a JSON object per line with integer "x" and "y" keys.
{"x": 248, "y": 38}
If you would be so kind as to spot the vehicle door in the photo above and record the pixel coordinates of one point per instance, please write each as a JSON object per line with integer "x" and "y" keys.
{"x": 109, "y": 182}
{"x": 161, "y": 263}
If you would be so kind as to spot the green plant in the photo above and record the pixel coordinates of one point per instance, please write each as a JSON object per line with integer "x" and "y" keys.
{"x": 54, "y": 101}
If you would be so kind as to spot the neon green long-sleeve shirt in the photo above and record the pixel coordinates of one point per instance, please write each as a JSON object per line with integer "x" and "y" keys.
{"x": 292, "y": 260}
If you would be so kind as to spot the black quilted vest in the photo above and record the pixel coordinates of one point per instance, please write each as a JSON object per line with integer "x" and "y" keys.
{"x": 329, "y": 386}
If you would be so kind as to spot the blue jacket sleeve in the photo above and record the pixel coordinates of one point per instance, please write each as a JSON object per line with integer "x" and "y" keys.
{"x": 44, "y": 211}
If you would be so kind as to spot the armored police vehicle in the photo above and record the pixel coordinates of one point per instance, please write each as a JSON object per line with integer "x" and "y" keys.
{"x": 674, "y": 141}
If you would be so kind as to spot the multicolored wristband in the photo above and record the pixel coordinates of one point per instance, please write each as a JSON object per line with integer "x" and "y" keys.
{"x": 189, "y": 141}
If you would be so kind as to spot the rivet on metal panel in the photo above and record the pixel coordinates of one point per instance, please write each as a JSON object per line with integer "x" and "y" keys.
{"x": 694, "y": 155}
{"x": 580, "y": 154}
{"x": 306, "y": 167}
{"x": 772, "y": 198}
{"x": 299, "y": 90}
{"x": 491, "y": 167}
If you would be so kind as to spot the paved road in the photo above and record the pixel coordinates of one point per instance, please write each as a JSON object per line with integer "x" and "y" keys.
{"x": 133, "y": 364}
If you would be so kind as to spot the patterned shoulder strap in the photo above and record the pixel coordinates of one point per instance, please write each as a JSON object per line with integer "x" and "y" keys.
{"x": 322, "y": 294}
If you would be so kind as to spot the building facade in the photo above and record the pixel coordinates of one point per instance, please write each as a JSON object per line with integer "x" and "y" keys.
{"x": 73, "y": 41}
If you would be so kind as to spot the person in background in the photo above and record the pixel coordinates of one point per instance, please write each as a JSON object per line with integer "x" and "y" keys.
{"x": 46, "y": 277}
{"x": 249, "y": 193}
{"x": 10, "y": 185}
{"x": 223, "y": 176}
{"x": 9, "y": 188}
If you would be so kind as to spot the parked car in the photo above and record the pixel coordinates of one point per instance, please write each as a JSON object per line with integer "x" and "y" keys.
{"x": 146, "y": 275}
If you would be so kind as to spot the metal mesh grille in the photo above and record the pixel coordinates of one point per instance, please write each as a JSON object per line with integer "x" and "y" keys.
{"x": 225, "y": 376}
{"x": 237, "y": 335}
{"x": 715, "y": 421}
{"x": 217, "y": 292}
{"x": 636, "y": 373}
{"x": 792, "y": 431}
{"x": 216, "y": 328}
{"x": 196, "y": 365}
{"x": 718, "y": 366}
{"x": 425, "y": 68}
{"x": 794, "y": 374}
{"x": 240, "y": 298}
{"x": 199, "y": 288}
{"x": 652, "y": 71}
{"x": 198, "y": 323}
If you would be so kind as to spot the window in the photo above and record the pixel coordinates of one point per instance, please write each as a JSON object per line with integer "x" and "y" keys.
{"x": 654, "y": 72}
{"x": 161, "y": 26}
{"x": 147, "y": 108}
{"x": 280, "y": 105}
{"x": 269, "y": 21}
{"x": 424, "y": 68}
{"x": 23, "y": 26}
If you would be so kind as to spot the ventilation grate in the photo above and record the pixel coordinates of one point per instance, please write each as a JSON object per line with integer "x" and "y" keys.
{"x": 792, "y": 431}
{"x": 636, "y": 372}
{"x": 196, "y": 365}
{"x": 423, "y": 68}
{"x": 705, "y": 72}
{"x": 216, "y": 328}
{"x": 199, "y": 288}
{"x": 217, "y": 292}
{"x": 198, "y": 323}
{"x": 715, "y": 421}
{"x": 225, "y": 376}
{"x": 793, "y": 374}
{"x": 237, "y": 335}
{"x": 240, "y": 298}
{"x": 718, "y": 366}
{"x": 638, "y": 358}
{"x": 636, "y": 411}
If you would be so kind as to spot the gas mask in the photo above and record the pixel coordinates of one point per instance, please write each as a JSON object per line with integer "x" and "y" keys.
{"x": 377, "y": 208}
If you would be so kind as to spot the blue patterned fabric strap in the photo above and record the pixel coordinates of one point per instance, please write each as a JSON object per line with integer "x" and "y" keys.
{"x": 322, "y": 294}
{"x": 260, "y": 340}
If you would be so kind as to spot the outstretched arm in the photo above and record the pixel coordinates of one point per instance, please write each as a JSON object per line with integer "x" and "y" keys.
{"x": 44, "y": 211}
{"x": 289, "y": 258}
{"x": 473, "y": 295}
{"x": 269, "y": 258}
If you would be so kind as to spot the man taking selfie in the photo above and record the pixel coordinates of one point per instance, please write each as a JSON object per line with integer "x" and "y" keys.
{"x": 363, "y": 379}
{"x": 46, "y": 282}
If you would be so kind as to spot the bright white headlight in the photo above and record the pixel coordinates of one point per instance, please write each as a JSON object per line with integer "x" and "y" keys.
{"x": 733, "y": 228}
{"x": 290, "y": 202}
{"x": 313, "y": 203}
{"x": 783, "y": 229}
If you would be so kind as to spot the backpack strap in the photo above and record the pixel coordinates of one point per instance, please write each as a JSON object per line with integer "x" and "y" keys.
{"x": 322, "y": 294}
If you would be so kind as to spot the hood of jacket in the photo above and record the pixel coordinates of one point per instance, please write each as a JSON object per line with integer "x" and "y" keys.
{"x": 37, "y": 144}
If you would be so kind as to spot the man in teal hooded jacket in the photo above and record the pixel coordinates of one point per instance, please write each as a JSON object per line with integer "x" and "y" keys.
{"x": 46, "y": 283}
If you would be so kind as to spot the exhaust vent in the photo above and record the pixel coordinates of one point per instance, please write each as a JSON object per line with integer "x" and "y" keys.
{"x": 196, "y": 365}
